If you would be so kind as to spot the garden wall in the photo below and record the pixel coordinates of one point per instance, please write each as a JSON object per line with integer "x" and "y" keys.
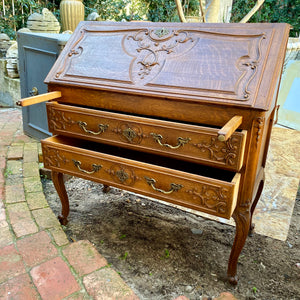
{"x": 10, "y": 91}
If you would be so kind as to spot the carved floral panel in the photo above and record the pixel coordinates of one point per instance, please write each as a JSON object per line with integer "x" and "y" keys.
{"x": 178, "y": 61}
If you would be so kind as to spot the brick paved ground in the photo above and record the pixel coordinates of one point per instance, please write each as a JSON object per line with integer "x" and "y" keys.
{"x": 36, "y": 259}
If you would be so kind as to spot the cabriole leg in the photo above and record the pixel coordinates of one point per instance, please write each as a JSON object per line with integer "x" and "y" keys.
{"x": 106, "y": 188}
{"x": 59, "y": 184}
{"x": 241, "y": 217}
{"x": 258, "y": 194}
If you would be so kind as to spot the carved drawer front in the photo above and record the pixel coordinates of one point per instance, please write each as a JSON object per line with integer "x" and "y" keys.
{"x": 187, "y": 142}
{"x": 198, "y": 187}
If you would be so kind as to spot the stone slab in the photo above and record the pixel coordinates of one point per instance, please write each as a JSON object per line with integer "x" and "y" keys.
{"x": 14, "y": 193}
{"x": 32, "y": 185}
{"x": 45, "y": 218}
{"x": 59, "y": 236}
{"x": 107, "y": 284}
{"x": 6, "y": 237}
{"x": 36, "y": 200}
{"x": 20, "y": 219}
{"x": 31, "y": 169}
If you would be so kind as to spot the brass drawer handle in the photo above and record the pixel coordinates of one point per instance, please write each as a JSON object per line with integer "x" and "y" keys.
{"x": 174, "y": 187}
{"x": 181, "y": 141}
{"x": 77, "y": 164}
{"x": 83, "y": 125}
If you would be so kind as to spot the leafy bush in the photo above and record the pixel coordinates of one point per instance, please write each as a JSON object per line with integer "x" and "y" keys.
{"x": 166, "y": 10}
{"x": 18, "y": 11}
{"x": 272, "y": 11}
{"x": 286, "y": 11}
{"x": 151, "y": 10}
{"x": 117, "y": 10}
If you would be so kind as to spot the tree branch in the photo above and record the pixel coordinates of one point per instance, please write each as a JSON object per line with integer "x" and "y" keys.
{"x": 180, "y": 11}
{"x": 252, "y": 11}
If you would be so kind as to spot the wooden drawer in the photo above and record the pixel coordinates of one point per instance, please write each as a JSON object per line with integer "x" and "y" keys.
{"x": 198, "y": 187}
{"x": 187, "y": 142}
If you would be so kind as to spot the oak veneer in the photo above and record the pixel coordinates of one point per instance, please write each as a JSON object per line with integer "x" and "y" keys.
{"x": 142, "y": 106}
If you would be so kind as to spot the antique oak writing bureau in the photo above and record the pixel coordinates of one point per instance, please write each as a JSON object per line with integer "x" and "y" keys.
{"x": 178, "y": 112}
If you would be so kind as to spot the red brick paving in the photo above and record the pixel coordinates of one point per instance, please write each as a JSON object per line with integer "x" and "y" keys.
{"x": 44, "y": 252}
{"x": 2, "y": 163}
{"x": 6, "y": 237}
{"x": 18, "y": 288}
{"x": 36, "y": 248}
{"x": 84, "y": 257}
{"x": 14, "y": 193}
{"x": 21, "y": 220}
{"x": 1, "y": 177}
{"x": 11, "y": 263}
{"x": 54, "y": 280}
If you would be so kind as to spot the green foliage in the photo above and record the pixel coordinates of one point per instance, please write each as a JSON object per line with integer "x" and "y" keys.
{"x": 18, "y": 11}
{"x": 151, "y": 10}
{"x": 166, "y": 10}
{"x": 272, "y": 11}
{"x": 116, "y": 10}
{"x": 7, "y": 172}
{"x": 166, "y": 254}
{"x": 161, "y": 11}
{"x": 124, "y": 256}
{"x": 286, "y": 11}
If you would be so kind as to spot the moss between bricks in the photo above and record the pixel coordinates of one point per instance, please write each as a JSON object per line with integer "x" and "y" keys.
{"x": 13, "y": 167}
{"x": 30, "y": 169}
{"x": 45, "y": 218}
{"x": 36, "y": 200}
{"x": 33, "y": 184}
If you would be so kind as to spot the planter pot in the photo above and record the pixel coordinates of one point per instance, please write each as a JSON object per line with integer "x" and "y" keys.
{"x": 71, "y": 12}
{"x": 193, "y": 19}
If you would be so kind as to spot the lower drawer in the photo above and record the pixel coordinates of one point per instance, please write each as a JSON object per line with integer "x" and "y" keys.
{"x": 191, "y": 185}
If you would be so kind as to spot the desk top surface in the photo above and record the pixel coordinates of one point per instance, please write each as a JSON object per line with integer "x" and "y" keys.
{"x": 228, "y": 64}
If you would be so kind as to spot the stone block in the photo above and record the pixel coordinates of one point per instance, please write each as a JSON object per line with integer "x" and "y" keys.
{"x": 20, "y": 219}
{"x": 59, "y": 236}
{"x": 45, "y": 22}
{"x": 15, "y": 152}
{"x": 14, "y": 167}
{"x": 107, "y": 284}
{"x": 36, "y": 200}
{"x": 45, "y": 218}
{"x": 6, "y": 237}
{"x": 32, "y": 185}
{"x": 14, "y": 193}
{"x": 31, "y": 169}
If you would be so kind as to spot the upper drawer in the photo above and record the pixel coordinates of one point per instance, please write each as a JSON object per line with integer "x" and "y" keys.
{"x": 187, "y": 142}
{"x": 198, "y": 187}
